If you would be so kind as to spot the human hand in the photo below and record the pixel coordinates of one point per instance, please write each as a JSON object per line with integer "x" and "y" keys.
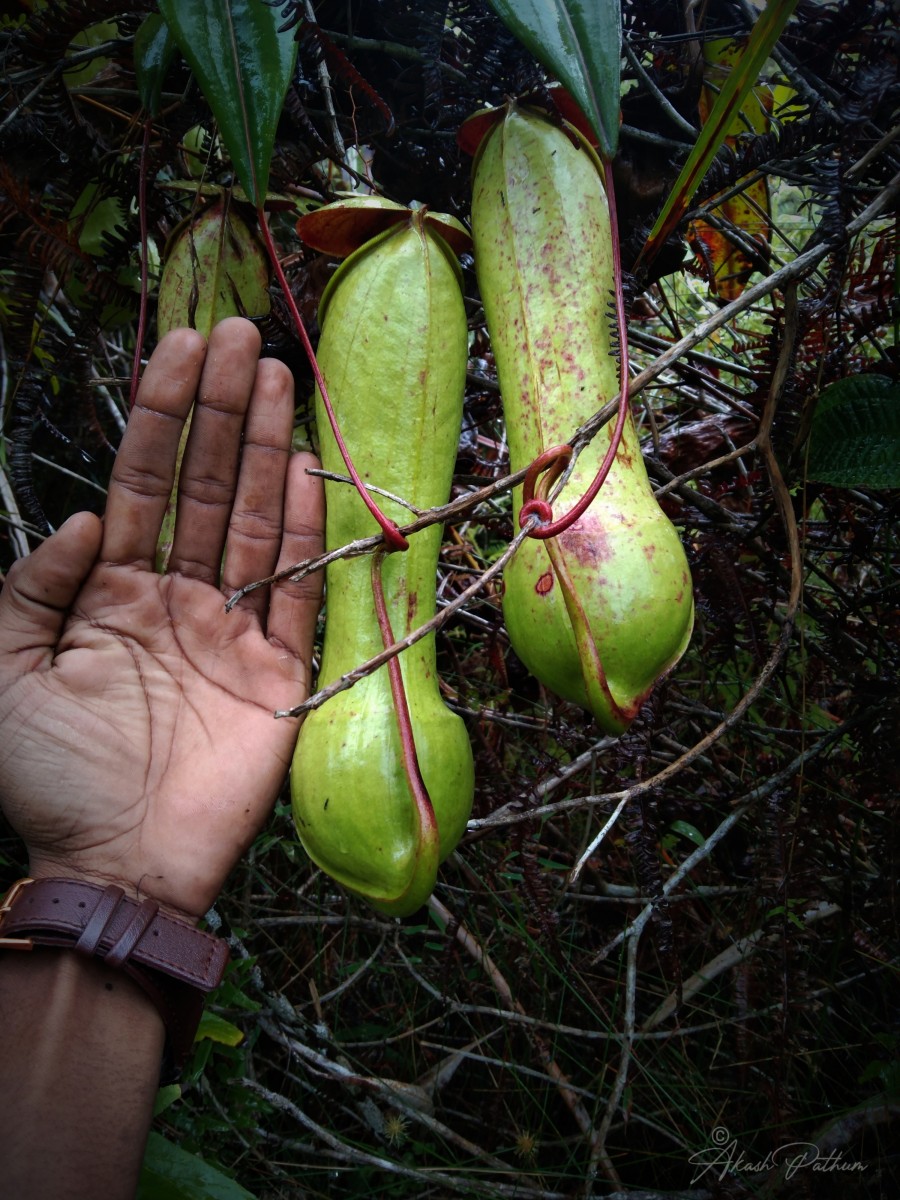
{"x": 137, "y": 739}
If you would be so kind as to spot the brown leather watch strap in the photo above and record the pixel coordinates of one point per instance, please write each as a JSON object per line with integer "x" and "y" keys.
{"x": 174, "y": 963}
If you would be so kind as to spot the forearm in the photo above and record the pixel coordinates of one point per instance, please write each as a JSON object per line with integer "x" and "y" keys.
{"x": 79, "y": 1068}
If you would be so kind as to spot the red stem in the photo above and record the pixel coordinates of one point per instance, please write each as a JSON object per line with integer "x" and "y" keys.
{"x": 142, "y": 303}
{"x": 421, "y": 799}
{"x": 549, "y": 528}
{"x": 394, "y": 539}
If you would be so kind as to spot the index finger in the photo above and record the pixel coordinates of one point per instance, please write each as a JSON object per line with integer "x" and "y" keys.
{"x": 144, "y": 469}
{"x": 294, "y": 607}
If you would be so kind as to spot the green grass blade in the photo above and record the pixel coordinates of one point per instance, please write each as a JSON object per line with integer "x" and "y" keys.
{"x": 579, "y": 42}
{"x": 243, "y": 65}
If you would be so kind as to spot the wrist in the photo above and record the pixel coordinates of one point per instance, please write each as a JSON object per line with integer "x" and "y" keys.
{"x": 43, "y": 866}
{"x": 72, "y": 973}
{"x": 80, "y": 1067}
{"x": 175, "y": 964}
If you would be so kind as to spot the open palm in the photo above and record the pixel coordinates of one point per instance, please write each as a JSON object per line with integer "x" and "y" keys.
{"x": 137, "y": 738}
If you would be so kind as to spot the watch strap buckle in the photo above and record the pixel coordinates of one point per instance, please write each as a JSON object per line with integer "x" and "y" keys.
{"x": 14, "y": 943}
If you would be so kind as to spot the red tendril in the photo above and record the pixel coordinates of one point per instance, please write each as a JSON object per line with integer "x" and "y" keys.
{"x": 540, "y": 507}
{"x": 421, "y": 799}
{"x": 554, "y": 461}
{"x": 394, "y": 539}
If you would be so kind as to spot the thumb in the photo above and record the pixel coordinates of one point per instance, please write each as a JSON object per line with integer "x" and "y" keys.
{"x": 39, "y": 590}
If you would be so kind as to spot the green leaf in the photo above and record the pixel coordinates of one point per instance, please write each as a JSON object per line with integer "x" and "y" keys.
{"x": 217, "y": 1029}
{"x": 96, "y": 218}
{"x": 745, "y": 73}
{"x": 855, "y": 436}
{"x": 788, "y": 913}
{"x": 579, "y": 41}
{"x": 154, "y": 49}
{"x": 691, "y": 832}
{"x": 170, "y": 1173}
{"x": 166, "y": 1097}
{"x": 243, "y": 65}
{"x": 94, "y": 35}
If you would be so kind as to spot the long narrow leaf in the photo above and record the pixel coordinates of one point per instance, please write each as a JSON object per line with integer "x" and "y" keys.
{"x": 765, "y": 34}
{"x": 729, "y": 264}
{"x": 154, "y": 49}
{"x": 243, "y": 65}
{"x": 579, "y": 42}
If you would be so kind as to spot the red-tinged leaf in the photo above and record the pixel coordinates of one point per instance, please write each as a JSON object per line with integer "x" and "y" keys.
{"x": 243, "y": 65}
{"x": 475, "y": 129}
{"x": 740, "y": 80}
{"x": 722, "y": 259}
{"x": 346, "y": 225}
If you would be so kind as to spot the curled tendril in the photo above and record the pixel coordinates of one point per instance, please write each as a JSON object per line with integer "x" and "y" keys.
{"x": 534, "y": 492}
{"x": 558, "y": 456}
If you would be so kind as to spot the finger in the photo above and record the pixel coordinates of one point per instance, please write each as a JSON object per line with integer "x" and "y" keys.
{"x": 209, "y": 470}
{"x": 145, "y": 464}
{"x": 39, "y": 591}
{"x": 294, "y": 607}
{"x": 255, "y": 531}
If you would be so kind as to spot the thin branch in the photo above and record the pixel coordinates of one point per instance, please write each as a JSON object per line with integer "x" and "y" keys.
{"x": 13, "y": 518}
{"x": 431, "y": 516}
{"x": 350, "y": 1153}
{"x": 55, "y": 466}
{"x": 741, "y": 807}
{"x": 713, "y": 463}
{"x": 577, "y": 764}
{"x": 370, "y": 487}
{"x": 592, "y": 848}
{"x": 325, "y": 84}
{"x": 661, "y": 99}
{"x": 394, "y": 49}
{"x": 732, "y": 956}
{"x": 437, "y": 622}
{"x": 600, "y": 1154}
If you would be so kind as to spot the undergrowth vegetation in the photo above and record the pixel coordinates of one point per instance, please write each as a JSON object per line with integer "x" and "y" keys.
{"x": 656, "y": 962}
